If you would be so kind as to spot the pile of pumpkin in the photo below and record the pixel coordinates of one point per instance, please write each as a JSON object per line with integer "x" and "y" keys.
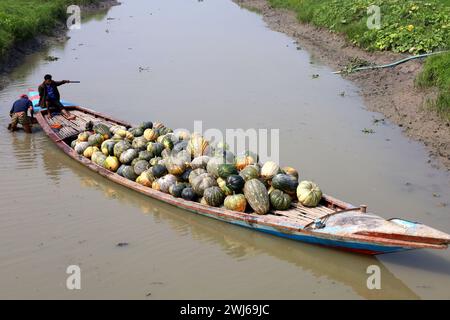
{"x": 189, "y": 167}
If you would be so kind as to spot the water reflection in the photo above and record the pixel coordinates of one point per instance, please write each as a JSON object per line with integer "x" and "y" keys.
{"x": 239, "y": 243}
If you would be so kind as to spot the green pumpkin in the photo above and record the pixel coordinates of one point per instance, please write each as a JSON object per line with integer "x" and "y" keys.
{"x": 166, "y": 182}
{"x": 154, "y": 161}
{"x": 223, "y": 186}
{"x": 145, "y": 155}
{"x": 96, "y": 140}
{"x": 100, "y": 159}
{"x": 108, "y": 147}
{"x": 195, "y": 173}
{"x": 73, "y": 143}
{"x": 146, "y": 178}
{"x": 226, "y": 170}
{"x": 185, "y": 176}
{"x": 139, "y": 143}
{"x": 188, "y": 194}
{"x": 249, "y": 172}
{"x": 151, "y": 134}
{"x": 120, "y": 170}
{"x": 235, "y": 183}
{"x": 129, "y": 155}
{"x": 116, "y": 128}
{"x": 128, "y": 172}
{"x": 167, "y": 143}
{"x": 214, "y": 196}
{"x": 256, "y": 194}
{"x": 146, "y": 125}
{"x": 136, "y": 132}
{"x": 202, "y": 182}
{"x": 180, "y": 146}
{"x": 159, "y": 170}
{"x": 175, "y": 166}
{"x": 309, "y": 194}
{"x": 140, "y": 166}
{"x": 285, "y": 182}
{"x": 236, "y": 202}
{"x": 177, "y": 189}
{"x": 120, "y": 147}
{"x": 156, "y": 148}
{"x": 280, "y": 200}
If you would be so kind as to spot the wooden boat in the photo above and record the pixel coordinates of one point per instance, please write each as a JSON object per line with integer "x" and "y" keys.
{"x": 333, "y": 223}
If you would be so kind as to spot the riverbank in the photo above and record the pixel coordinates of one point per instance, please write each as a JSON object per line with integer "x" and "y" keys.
{"x": 28, "y": 26}
{"x": 392, "y": 92}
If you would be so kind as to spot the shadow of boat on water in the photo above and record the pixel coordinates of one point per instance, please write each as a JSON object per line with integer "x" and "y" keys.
{"x": 346, "y": 268}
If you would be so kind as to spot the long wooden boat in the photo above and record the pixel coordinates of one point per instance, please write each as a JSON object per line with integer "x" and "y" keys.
{"x": 333, "y": 223}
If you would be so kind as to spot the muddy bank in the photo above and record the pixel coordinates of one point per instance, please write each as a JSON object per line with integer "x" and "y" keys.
{"x": 20, "y": 50}
{"x": 389, "y": 91}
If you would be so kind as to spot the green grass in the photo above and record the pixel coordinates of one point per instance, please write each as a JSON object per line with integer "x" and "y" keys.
{"x": 407, "y": 26}
{"x": 24, "y": 19}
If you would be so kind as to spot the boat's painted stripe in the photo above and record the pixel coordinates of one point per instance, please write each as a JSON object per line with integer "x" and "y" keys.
{"x": 362, "y": 247}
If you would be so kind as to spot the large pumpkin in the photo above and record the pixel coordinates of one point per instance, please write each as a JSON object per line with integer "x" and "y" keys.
{"x": 80, "y": 147}
{"x": 120, "y": 147}
{"x": 198, "y": 146}
{"x": 235, "y": 183}
{"x": 200, "y": 162}
{"x": 175, "y": 166}
{"x": 145, "y": 155}
{"x": 195, "y": 173}
{"x": 111, "y": 163}
{"x": 165, "y": 182}
{"x": 96, "y": 155}
{"x": 180, "y": 146}
{"x": 128, "y": 172}
{"x": 213, "y": 166}
{"x": 225, "y": 170}
{"x": 280, "y": 200}
{"x": 269, "y": 170}
{"x": 139, "y": 143}
{"x": 285, "y": 182}
{"x": 167, "y": 143}
{"x": 107, "y": 147}
{"x": 202, "y": 182}
{"x": 156, "y": 148}
{"x": 96, "y": 140}
{"x": 177, "y": 189}
{"x": 236, "y": 202}
{"x": 309, "y": 194}
{"x": 90, "y": 151}
{"x": 146, "y": 125}
{"x": 151, "y": 134}
{"x": 214, "y": 196}
{"x": 140, "y": 166}
{"x": 159, "y": 170}
{"x": 188, "y": 194}
{"x": 146, "y": 178}
{"x": 116, "y": 128}
{"x": 256, "y": 194}
{"x": 249, "y": 172}
{"x": 129, "y": 155}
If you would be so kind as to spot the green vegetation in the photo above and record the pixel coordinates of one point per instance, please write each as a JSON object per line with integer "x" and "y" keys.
{"x": 436, "y": 73}
{"x": 407, "y": 26}
{"x": 24, "y": 19}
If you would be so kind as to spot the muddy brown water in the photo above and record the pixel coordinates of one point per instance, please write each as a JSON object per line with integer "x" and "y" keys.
{"x": 215, "y": 62}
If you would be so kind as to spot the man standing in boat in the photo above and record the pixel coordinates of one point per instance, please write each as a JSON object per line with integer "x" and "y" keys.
{"x": 49, "y": 96}
{"x": 19, "y": 114}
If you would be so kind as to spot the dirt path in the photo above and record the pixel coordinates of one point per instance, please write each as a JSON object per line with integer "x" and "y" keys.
{"x": 389, "y": 91}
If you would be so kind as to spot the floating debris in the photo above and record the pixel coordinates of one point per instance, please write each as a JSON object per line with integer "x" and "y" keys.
{"x": 368, "y": 131}
{"x": 51, "y": 58}
{"x": 122, "y": 244}
{"x": 315, "y": 76}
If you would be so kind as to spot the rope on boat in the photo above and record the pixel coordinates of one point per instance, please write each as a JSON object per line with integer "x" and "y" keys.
{"x": 396, "y": 63}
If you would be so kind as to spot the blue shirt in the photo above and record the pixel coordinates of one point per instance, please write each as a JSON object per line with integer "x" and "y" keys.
{"x": 21, "y": 105}
{"x": 50, "y": 93}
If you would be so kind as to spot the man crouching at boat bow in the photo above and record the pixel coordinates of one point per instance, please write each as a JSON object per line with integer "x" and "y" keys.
{"x": 19, "y": 114}
{"x": 49, "y": 96}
